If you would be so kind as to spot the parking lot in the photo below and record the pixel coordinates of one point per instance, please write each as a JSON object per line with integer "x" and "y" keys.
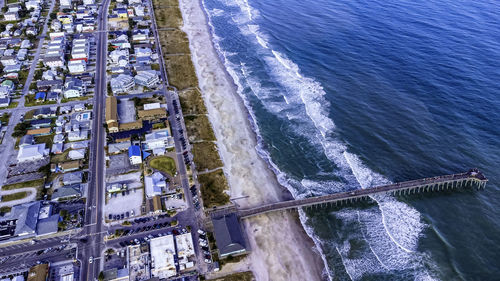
{"x": 126, "y": 111}
{"x": 116, "y": 207}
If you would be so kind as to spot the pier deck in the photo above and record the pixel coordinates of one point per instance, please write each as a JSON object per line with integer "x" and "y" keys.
{"x": 473, "y": 179}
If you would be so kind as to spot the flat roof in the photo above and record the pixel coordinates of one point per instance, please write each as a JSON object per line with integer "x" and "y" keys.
{"x": 162, "y": 257}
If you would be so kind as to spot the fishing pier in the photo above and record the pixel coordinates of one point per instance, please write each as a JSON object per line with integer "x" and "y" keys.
{"x": 472, "y": 179}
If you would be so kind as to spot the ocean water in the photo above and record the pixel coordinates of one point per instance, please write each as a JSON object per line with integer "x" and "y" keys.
{"x": 348, "y": 94}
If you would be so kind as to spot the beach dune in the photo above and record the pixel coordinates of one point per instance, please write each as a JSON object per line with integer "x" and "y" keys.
{"x": 280, "y": 248}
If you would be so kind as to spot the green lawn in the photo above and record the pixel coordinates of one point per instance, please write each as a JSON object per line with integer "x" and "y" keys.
{"x": 14, "y": 196}
{"x": 164, "y": 163}
{"x": 33, "y": 183}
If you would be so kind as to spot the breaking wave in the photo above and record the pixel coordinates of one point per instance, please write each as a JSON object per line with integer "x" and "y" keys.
{"x": 391, "y": 229}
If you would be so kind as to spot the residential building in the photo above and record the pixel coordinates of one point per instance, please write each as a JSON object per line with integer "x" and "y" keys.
{"x": 152, "y": 114}
{"x": 26, "y": 140}
{"x": 78, "y": 135}
{"x": 65, "y": 4}
{"x": 147, "y": 78}
{"x": 77, "y": 154}
{"x": 77, "y": 66}
{"x": 53, "y": 61}
{"x": 67, "y": 192}
{"x": 143, "y": 52}
{"x": 122, "y": 83}
{"x": 154, "y": 184}
{"x": 134, "y": 154}
{"x": 159, "y": 139}
{"x": 111, "y": 114}
{"x": 69, "y": 166}
{"x": 11, "y": 16}
{"x": 72, "y": 178}
{"x": 74, "y": 88}
{"x": 8, "y": 60}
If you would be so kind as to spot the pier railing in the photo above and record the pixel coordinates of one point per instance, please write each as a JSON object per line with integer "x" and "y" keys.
{"x": 471, "y": 179}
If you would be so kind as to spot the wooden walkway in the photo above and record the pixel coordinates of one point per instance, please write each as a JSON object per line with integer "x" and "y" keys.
{"x": 471, "y": 179}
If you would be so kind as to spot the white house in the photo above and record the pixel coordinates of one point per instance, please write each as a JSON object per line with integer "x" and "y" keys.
{"x": 78, "y": 135}
{"x": 77, "y": 154}
{"x": 147, "y": 78}
{"x": 32, "y": 152}
{"x": 154, "y": 184}
{"x": 31, "y": 5}
{"x": 74, "y": 88}
{"x": 77, "y": 66}
{"x": 158, "y": 139}
{"x": 11, "y": 16}
{"x": 53, "y": 61}
{"x": 122, "y": 83}
{"x": 134, "y": 155}
{"x": 142, "y": 52}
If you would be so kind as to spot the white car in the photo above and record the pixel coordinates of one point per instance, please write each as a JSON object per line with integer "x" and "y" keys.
{"x": 201, "y": 232}
{"x": 91, "y": 259}
{"x": 208, "y": 261}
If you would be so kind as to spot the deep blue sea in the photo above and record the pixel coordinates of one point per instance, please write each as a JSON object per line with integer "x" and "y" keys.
{"x": 349, "y": 94}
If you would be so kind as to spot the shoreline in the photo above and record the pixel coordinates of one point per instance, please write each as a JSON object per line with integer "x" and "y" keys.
{"x": 280, "y": 247}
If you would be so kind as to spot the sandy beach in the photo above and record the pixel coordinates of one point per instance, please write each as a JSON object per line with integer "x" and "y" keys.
{"x": 280, "y": 248}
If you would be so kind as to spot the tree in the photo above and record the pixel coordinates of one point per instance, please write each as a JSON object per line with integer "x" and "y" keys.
{"x": 20, "y": 129}
{"x": 53, "y": 15}
{"x": 101, "y": 276}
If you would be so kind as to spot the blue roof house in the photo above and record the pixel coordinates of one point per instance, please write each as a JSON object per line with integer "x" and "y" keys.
{"x": 134, "y": 154}
{"x": 40, "y": 96}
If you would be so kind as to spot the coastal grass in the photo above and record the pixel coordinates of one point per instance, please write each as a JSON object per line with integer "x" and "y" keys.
{"x": 168, "y": 17}
{"x": 174, "y": 42}
{"x": 32, "y": 183}
{"x": 240, "y": 276}
{"x": 5, "y": 209}
{"x": 181, "y": 73}
{"x": 14, "y": 196}
{"x": 164, "y": 164}
{"x": 206, "y": 156}
{"x": 165, "y": 3}
{"x": 198, "y": 128}
{"x": 192, "y": 102}
{"x": 212, "y": 189}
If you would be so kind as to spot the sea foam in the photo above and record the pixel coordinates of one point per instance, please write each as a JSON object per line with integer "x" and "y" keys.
{"x": 392, "y": 230}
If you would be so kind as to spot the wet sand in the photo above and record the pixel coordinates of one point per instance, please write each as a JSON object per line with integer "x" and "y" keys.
{"x": 280, "y": 248}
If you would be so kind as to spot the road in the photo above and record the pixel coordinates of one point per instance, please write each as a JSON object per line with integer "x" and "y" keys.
{"x": 95, "y": 194}
{"x": 191, "y": 217}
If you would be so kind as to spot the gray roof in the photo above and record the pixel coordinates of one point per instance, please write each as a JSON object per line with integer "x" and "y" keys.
{"x": 48, "y": 225}
{"x": 26, "y": 140}
{"x": 71, "y": 178}
{"x": 67, "y": 191}
{"x": 27, "y": 217}
{"x": 228, "y": 236}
